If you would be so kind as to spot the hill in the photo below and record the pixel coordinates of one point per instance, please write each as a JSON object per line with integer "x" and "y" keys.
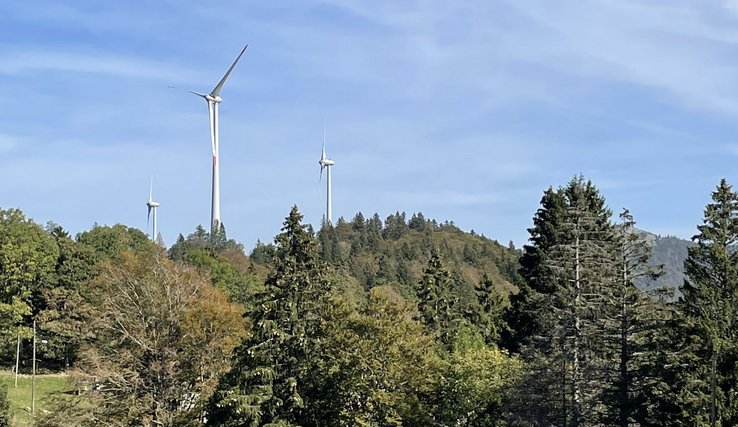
{"x": 372, "y": 252}
{"x": 671, "y": 252}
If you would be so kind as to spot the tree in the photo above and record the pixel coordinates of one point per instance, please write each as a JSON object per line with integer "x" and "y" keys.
{"x": 108, "y": 242}
{"x": 487, "y": 313}
{"x": 267, "y": 384}
{"x": 395, "y": 226}
{"x": 437, "y": 304}
{"x": 632, "y": 397}
{"x": 4, "y": 406}
{"x": 546, "y": 233}
{"x": 570, "y": 270}
{"x": 201, "y": 239}
{"x": 65, "y": 314}
{"x": 417, "y": 222}
{"x": 330, "y": 248}
{"x": 474, "y": 381}
{"x": 377, "y": 365}
{"x": 162, "y": 338}
{"x": 26, "y": 269}
{"x": 262, "y": 253}
{"x": 227, "y": 271}
{"x": 710, "y": 306}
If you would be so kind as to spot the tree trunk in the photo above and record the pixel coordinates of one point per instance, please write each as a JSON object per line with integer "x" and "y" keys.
{"x": 575, "y": 383}
{"x": 713, "y": 375}
{"x": 624, "y": 404}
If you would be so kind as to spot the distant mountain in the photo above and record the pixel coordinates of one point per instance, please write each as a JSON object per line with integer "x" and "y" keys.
{"x": 671, "y": 252}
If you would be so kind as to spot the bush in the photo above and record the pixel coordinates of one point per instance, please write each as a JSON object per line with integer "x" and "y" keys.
{"x": 4, "y": 406}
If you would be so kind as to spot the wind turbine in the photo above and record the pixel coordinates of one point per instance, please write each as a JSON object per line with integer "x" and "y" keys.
{"x": 213, "y": 98}
{"x": 153, "y": 206}
{"x": 327, "y": 163}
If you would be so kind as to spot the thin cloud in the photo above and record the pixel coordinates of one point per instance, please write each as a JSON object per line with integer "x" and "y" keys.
{"x": 9, "y": 143}
{"x": 17, "y": 62}
{"x": 446, "y": 198}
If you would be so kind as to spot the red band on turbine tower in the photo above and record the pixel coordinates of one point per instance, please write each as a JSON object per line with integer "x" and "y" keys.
{"x": 214, "y": 160}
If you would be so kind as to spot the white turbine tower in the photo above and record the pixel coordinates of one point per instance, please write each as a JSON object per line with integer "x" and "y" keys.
{"x": 327, "y": 163}
{"x": 153, "y": 206}
{"x": 213, "y": 98}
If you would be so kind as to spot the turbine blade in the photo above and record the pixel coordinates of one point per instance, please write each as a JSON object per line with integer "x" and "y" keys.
{"x": 321, "y": 173}
{"x": 151, "y": 190}
{"x": 148, "y": 217}
{"x": 322, "y": 155}
{"x": 219, "y": 86}
{"x": 202, "y": 95}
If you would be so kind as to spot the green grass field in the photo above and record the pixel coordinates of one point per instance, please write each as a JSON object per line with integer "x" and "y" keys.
{"x": 20, "y": 398}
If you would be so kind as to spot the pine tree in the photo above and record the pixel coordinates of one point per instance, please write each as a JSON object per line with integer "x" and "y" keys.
{"x": 487, "y": 313}
{"x": 544, "y": 235}
{"x": 437, "y": 305}
{"x": 631, "y": 327}
{"x": 268, "y": 382}
{"x": 569, "y": 271}
{"x": 710, "y": 305}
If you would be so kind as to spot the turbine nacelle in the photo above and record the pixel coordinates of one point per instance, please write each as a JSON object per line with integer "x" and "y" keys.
{"x": 215, "y": 99}
{"x": 152, "y": 204}
{"x": 326, "y": 162}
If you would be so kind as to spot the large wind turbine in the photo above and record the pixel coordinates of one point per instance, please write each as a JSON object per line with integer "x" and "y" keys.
{"x": 327, "y": 163}
{"x": 153, "y": 206}
{"x": 213, "y": 98}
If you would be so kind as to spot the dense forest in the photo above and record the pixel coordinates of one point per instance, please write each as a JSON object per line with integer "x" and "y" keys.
{"x": 372, "y": 322}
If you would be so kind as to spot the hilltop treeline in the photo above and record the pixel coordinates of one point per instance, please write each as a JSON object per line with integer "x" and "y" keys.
{"x": 401, "y": 321}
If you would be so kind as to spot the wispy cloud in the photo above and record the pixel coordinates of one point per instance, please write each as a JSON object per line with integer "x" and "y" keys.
{"x": 445, "y": 198}
{"x": 9, "y": 143}
{"x": 21, "y": 61}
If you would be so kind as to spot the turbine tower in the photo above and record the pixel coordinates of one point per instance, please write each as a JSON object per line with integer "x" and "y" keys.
{"x": 213, "y": 98}
{"x": 327, "y": 163}
{"x": 153, "y": 206}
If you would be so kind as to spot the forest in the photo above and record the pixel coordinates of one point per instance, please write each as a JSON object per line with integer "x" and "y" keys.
{"x": 405, "y": 321}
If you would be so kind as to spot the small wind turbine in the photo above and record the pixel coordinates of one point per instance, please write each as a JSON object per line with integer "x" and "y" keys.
{"x": 327, "y": 163}
{"x": 213, "y": 98}
{"x": 152, "y": 206}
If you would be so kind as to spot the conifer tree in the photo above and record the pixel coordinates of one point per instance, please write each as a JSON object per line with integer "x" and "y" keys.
{"x": 544, "y": 235}
{"x": 710, "y": 306}
{"x": 267, "y": 385}
{"x": 437, "y": 305}
{"x": 487, "y": 313}
{"x": 569, "y": 271}
{"x": 631, "y": 327}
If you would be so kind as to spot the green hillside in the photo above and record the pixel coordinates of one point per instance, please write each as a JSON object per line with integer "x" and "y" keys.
{"x": 396, "y": 251}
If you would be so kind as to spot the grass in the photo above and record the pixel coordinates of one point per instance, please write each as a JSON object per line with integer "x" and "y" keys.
{"x": 20, "y": 397}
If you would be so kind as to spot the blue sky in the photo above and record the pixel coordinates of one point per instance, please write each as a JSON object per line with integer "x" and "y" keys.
{"x": 463, "y": 110}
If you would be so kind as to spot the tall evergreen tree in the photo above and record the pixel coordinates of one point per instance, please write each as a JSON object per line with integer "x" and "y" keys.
{"x": 631, "y": 327}
{"x": 569, "y": 271}
{"x": 267, "y": 385}
{"x": 487, "y": 313}
{"x": 437, "y": 305}
{"x": 544, "y": 235}
{"x": 710, "y": 305}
